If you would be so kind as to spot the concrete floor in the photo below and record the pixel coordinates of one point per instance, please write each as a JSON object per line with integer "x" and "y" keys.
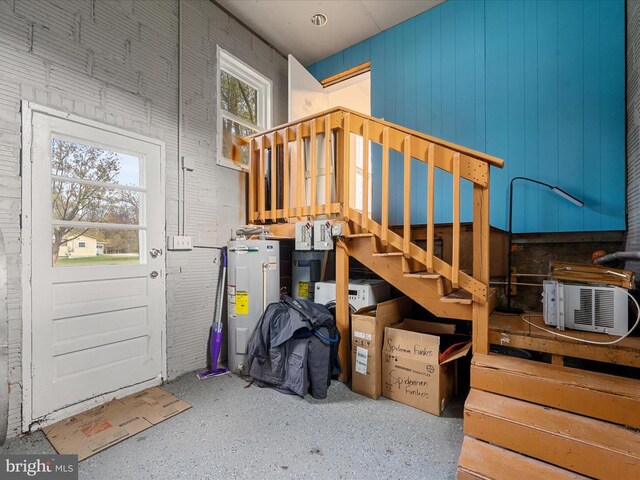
{"x": 246, "y": 433}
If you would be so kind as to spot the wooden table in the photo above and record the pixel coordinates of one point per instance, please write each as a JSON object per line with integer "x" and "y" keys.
{"x": 512, "y": 331}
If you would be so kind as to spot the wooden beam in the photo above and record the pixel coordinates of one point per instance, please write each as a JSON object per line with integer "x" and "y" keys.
{"x": 512, "y": 331}
{"x": 342, "y": 310}
{"x": 346, "y": 74}
{"x": 407, "y": 198}
{"x": 590, "y": 447}
{"x": 385, "y": 187}
{"x": 481, "y": 254}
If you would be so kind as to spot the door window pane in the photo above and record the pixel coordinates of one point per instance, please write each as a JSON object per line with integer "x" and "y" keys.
{"x": 89, "y": 162}
{"x": 238, "y": 98}
{"x": 77, "y": 247}
{"x": 80, "y": 202}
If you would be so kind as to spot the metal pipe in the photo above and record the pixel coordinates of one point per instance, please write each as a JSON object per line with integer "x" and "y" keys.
{"x": 617, "y": 256}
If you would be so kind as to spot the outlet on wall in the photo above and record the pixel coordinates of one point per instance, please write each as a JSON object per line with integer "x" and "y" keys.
{"x": 179, "y": 242}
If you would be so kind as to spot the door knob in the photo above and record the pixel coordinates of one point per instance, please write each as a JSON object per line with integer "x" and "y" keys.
{"x": 154, "y": 252}
{"x": 153, "y": 274}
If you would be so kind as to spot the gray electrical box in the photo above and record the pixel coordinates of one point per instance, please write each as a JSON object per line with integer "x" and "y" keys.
{"x": 254, "y": 270}
{"x": 304, "y": 235}
{"x": 322, "y": 239}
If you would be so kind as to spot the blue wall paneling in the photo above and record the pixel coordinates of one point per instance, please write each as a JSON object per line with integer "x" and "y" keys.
{"x": 540, "y": 84}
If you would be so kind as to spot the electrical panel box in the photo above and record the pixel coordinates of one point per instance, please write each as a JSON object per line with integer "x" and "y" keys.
{"x": 322, "y": 239}
{"x": 304, "y": 235}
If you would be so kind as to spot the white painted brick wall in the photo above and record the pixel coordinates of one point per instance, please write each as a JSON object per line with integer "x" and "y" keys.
{"x": 117, "y": 62}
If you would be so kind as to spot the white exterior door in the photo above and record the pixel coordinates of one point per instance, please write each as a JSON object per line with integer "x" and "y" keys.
{"x": 97, "y": 263}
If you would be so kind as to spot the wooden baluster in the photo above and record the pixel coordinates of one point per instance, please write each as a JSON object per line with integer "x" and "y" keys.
{"x": 252, "y": 181}
{"x": 274, "y": 176}
{"x": 406, "y": 241}
{"x": 455, "y": 255}
{"x": 431, "y": 164}
{"x": 384, "y": 234}
{"x": 313, "y": 168}
{"x": 365, "y": 175}
{"x": 261, "y": 179}
{"x": 300, "y": 164}
{"x": 327, "y": 165}
{"x": 285, "y": 174}
{"x": 346, "y": 161}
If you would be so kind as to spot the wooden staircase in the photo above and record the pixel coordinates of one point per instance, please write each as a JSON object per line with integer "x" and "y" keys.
{"x": 306, "y": 170}
{"x": 525, "y": 419}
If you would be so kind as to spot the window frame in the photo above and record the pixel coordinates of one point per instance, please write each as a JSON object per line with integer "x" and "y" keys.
{"x": 264, "y": 86}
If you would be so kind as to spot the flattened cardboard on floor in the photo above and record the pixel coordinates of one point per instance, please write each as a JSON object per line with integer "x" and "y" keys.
{"x": 95, "y": 430}
{"x": 418, "y": 369}
{"x": 367, "y": 326}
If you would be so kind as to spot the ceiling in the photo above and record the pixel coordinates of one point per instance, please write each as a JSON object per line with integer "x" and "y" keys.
{"x": 286, "y": 24}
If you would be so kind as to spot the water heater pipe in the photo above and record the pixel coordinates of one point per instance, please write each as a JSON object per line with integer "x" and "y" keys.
{"x": 264, "y": 286}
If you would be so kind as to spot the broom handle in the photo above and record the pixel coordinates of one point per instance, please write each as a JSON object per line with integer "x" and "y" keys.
{"x": 221, "y": 292}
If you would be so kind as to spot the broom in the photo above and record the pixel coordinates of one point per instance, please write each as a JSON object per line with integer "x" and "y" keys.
{"x": 215, "y": 341}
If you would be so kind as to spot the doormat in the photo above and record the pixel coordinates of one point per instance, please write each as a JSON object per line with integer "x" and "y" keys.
{"x": 95, "y": 430}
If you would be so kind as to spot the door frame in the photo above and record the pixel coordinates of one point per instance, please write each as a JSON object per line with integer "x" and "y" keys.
{"x": 28, "y": 422}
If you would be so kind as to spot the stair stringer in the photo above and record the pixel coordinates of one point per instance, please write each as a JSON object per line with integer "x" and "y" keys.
{"x": 422, "y": 291}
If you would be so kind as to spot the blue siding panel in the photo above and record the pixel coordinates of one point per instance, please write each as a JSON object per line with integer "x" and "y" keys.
{"x": 612, "y": 105}
{"x": 547, "y": 95}
{"x": 538, "y": 83}
{"x": 497, "y": 110}
{"x": 530, "y": 193}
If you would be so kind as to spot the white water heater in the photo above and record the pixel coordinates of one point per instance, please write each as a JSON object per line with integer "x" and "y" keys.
{"x": 253, "y": 283}
{"x": 305, "y": 272}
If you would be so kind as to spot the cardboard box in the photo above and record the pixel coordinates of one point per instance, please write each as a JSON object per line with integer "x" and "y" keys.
{"x": 367, "y": 327}
{"x": 418, "y": 368}
{"x": 95, "y": 430}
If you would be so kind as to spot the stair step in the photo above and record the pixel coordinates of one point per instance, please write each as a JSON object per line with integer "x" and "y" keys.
{"x": 359, "y": 235}
{"x": 387, "y": 254}
{"x": 423, "y": 291}
{"x": 481, "y": 460}
{"x": 423, "y": 274}
{"x": 458, "y": 296}
{"x": 580, "y": 444}
{"x": 598, "y": 395}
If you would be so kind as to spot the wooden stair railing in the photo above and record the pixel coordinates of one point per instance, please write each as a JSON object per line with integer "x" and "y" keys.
{"x": 292, "y": 158}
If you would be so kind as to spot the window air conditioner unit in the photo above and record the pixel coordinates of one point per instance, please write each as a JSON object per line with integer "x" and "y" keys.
{"x": 584, "y": 307}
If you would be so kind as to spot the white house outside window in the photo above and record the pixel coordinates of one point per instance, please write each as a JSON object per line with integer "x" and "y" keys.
{"x": 244, "y": 106}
